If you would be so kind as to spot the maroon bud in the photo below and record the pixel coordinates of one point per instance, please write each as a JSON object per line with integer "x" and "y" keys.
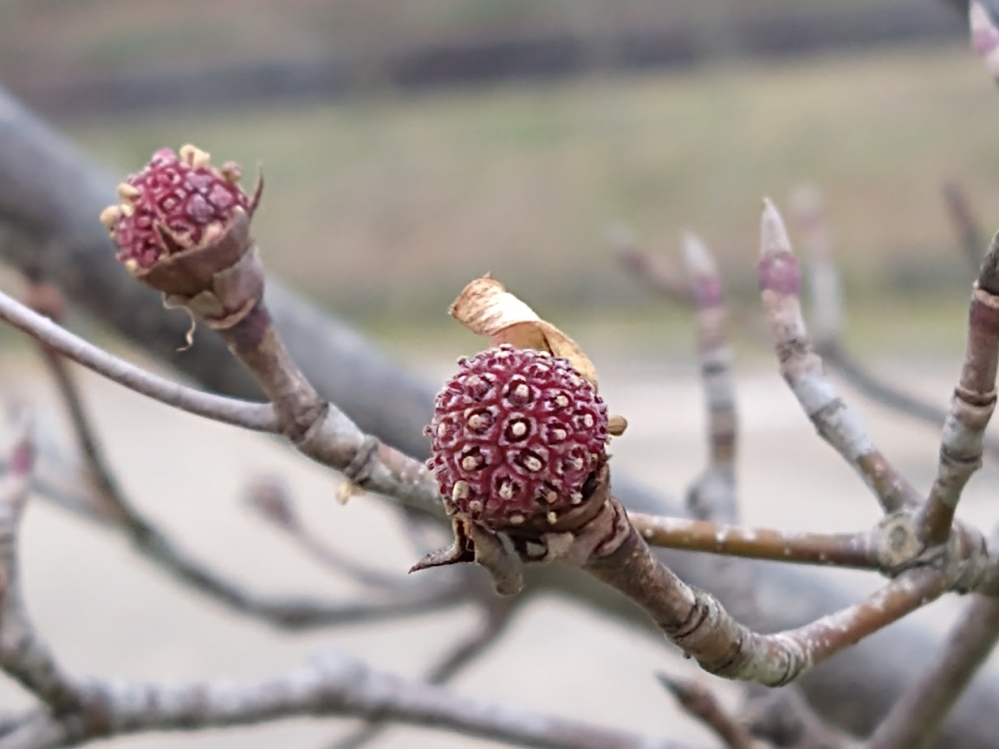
{"x": 183, "y": 227}
{"x": 178, "y": 201}
{"x": 517, "y": 433}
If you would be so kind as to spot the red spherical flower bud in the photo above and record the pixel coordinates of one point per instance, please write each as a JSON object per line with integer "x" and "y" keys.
{"x": 516, "y": 435}
{"x": 178, "y": 201}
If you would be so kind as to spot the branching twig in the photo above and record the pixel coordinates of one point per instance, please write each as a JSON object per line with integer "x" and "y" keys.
{"x": 698, "y": 624}
{"x": 333, "y": 685}
{"x": 290, "y": 612}
{"x": 337, "y": 442}
{"x": 255, "y": 416}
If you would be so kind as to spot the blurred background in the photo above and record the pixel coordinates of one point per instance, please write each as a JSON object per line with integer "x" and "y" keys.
{"x": 409, "y": 147}
{"x": 412, "y": 146}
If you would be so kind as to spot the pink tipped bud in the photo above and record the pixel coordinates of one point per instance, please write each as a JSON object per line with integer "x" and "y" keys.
{"x": 516, "y": 435}
{"x": 177, "y": 202}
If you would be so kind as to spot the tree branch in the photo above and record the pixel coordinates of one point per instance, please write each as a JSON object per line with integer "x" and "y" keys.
{"x": 971, "y": 407}
{"x": 827, "y": 311}
{"x": 856, "y": 550}
{"x": 337, "y": 442}
{"x": 918, "y": 715}
{"x": 648, "y": 268}
{"x": 697, "y": 623}
{"x": 332, "y": 685}
{"x": 23, "y": 655}
{"x": 836, "y": 422}
{"x": 53, "y": 192}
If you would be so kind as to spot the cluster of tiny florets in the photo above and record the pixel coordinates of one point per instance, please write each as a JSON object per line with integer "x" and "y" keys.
{"x": 516, "y": 434}
{"x": 181, "y": 194}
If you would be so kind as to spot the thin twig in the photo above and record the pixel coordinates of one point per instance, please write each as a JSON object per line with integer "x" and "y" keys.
{"x": 715, "y": 358}
{"x": 854, "y": 550}
{"x": 702, "y": 704}
{"x": 713, "y": 494}
{"x": 917, "y": 716}
{"x": 827, "y": 315}
{"x": 836, "y": 422}
{"x": 971, "y": 407}
{"x": 255, "y": 416}
{"x": 336, "y": 441}
{"x": 24, "y": 656}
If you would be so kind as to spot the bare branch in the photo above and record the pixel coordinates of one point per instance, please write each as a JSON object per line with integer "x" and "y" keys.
{"x": 712, "y": 495}
{"x": 856, "y": 550}
{"x": 336, "y": 441}
{"x": 23, "y": 654}
{"x": 915, "y": 720}
{"x": 971, "y": 407}
{"x": 715, "y": 357}
{"x": 836, "y": 422}
{"x": 43, "y": 175}
{"x": 333, "y": 685}
{"x": 287, "y": 612}
{"x": 256, "y": 416}
{"x": 700, "y": 702}
{"x": 839, "y": 359}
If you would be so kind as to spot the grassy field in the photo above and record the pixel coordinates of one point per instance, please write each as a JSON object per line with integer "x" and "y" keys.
{"x": 384, "y": 206}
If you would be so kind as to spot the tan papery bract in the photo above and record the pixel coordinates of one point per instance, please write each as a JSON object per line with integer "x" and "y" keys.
{"x": 486, "y": 308}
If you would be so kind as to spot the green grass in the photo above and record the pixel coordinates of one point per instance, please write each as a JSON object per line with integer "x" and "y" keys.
{"x": 384, "y": 206}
